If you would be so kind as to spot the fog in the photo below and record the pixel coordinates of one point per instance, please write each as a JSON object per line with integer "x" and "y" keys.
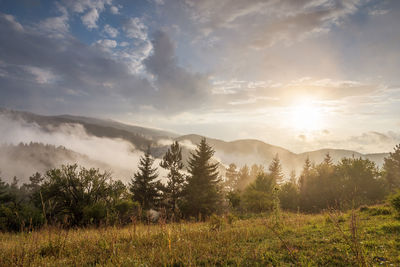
{"x": 115, "y": 155}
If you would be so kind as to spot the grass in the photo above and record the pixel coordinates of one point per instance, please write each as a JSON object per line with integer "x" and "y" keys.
{"x": 328, "y": 239}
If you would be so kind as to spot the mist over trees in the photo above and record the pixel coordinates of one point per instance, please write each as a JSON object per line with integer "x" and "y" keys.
{"x": 78, "y": 196}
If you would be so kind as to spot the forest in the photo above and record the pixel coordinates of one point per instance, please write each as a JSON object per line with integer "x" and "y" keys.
{"x": 331, "y": 214}
{"x": 74, "y": 196}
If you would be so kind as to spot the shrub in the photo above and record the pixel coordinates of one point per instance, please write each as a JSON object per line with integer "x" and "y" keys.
{"x": 395, "y": 201}
{"x": 363, "y": 208}
{"x": 95, "y": 213}
{"x": 375, "y": 211}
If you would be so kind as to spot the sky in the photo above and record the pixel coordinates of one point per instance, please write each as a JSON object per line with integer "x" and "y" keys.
{"x": 301, "y": 74}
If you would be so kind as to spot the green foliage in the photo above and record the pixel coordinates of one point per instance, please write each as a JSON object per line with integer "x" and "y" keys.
{"x": 376, "y": 211}
{"x": 17, "y": 211}
{"x": 258, "y": 196}
{"x": 173, "y": 192}
{"x": 360, "y": 180}
{"x": 395, "y": 201}
{"x": 95, "y": 213}
{"x": 243, "y": 179}
{"x": 126, "y": 209}
{"x": 275, "y": 169}
{"x": 234, "y": 199}
{"x": 350, "y": 183}
{"x": 391, "y": 168}
{"x": 289, "y": 196}
{"x": 231, "y": 178}
{"x": 202, "y": 195}
{"x": 144, "y": 187}
{"x": 67, "y": 192}
{"x": 391, "y": 228}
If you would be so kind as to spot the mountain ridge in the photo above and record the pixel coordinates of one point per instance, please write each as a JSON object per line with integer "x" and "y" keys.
{"x": 240, "y": 152}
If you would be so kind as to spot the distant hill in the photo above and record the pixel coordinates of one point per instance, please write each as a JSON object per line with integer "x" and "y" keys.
{"x": 240, "y": 152}
{"x": 139, "y": 136}
{"x": 23, "y": 160}
{"x": 249, "y": 151}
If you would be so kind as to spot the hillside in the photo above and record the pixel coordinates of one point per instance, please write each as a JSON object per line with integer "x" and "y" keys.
{"x": 23, "y": 160}
{"x": 250, "y": 151}
{"x": 240, "y": 152}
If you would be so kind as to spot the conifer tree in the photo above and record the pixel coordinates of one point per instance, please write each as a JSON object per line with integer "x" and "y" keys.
{"x": 203, "y": 192}
{"x": 275, "y": 169}
{"x": 243, "y": 178}
{"x": 4, "y": 196}
{"x": 231, "y": 176}
{"x": 305, "y": 173}
{"x": 143, "y": 186}
{"x": 328, "y": 159}
{"x": 391, "y": 169}
{"x": 172, "y": 161}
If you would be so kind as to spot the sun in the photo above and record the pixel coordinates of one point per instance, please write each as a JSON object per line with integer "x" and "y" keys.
{"x": 306, "y": 116}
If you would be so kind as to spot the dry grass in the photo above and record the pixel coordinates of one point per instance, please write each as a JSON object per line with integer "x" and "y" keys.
{"x": 306, "y": 240}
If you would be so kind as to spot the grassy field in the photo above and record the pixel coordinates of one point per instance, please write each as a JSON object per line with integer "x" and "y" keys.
{"x": 366, "y": 237}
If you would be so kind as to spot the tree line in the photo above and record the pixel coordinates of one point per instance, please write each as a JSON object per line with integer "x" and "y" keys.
{"x": 75, "y": 196}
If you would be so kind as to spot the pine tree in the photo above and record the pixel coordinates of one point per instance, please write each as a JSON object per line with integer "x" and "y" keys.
{"x": 391, "y": 168}
{"x": 275, "y": 169}
{"x": 243, "y": 178}
{"x": 231, "y": 177}
{"x": 202, "y": 193}
{"x": 4, "y": 196}
{"x": 305, "y": 173}
{"x": 328, "y": 159}
{"x": 172, "y": 161}
{"x": 143, "y": 186}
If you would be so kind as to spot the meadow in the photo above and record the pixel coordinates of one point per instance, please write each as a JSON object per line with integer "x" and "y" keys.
{"x": 365, "y": 237}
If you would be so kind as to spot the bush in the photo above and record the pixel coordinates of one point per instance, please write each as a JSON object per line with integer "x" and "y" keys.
{"x": 95, "y": 213}
{"x": 375, "y": 211}
{"x": 395, "y": 201}
{"x": 363, "y": 208}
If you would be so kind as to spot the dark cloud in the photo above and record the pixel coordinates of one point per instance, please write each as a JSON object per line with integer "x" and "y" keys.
{"x": 48, "y": 74}
{"x": 178, "y": 87}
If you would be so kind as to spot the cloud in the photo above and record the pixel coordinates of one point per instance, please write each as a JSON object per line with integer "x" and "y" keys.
{"x": 56, "y": 26}
{"x": 178, "y": 87}
{"x": 268, "y": 22}
{"x": 114, "y": 10}
{"x": 42, "y": 76}
{"x": 367, "y": 142}
{"x": 58, "y": 66}
{"x": 76, "y": 65}
{"x": 106, "y": 44}
{"x": 112, "y": 32}
{"x": 90, "y": 18}
{"x": 91, "y": 8}
{"x": 135, "y": 28}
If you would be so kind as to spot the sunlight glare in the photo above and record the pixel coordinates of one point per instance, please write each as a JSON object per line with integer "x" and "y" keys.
{"x": 306, "y": 116}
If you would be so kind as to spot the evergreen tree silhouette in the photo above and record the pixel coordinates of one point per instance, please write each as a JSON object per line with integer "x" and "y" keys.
{"x": 203, "y": 192}
{"x": 143, "y": 186}
{"x": 172, "y": 161}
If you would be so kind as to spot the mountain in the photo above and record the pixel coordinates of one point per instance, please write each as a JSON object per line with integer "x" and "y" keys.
{"x": 23, "y": 160}
{"x": 251, "y": 151}
{"x": 137, "y": 135}
{"x": 117, "y": 135}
